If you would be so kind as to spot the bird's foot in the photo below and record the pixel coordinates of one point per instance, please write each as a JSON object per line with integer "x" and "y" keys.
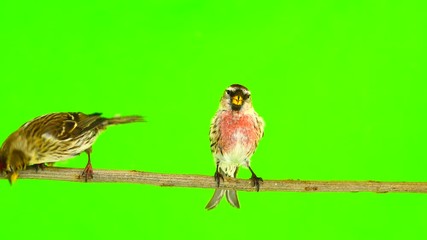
{"x": 41, "y": 166}
{"x": 218, "y": 176}
{"x": 88, "y": 172}
{"x": 256, "y": 181}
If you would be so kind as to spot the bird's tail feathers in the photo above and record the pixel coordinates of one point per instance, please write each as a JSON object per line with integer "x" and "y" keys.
{"x": 231, "y": 196}
{"x": 216, "y": 198}
{"x": 122, "y": 120}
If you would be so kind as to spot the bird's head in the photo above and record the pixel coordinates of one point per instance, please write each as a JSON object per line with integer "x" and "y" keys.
{"x": 11, "y": 162}
{"x": 11, "y": 156}
{"x": 237, "y": 98}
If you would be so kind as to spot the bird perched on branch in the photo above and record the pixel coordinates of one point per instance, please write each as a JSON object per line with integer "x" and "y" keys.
{"x": 54, "y": 137}
{"x": 234, "y": 135}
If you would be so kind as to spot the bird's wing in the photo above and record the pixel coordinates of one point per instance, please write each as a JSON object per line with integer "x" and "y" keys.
{"x": 63, "y": 126}
{"x": 260, "y": 125}
{"x": 215, "y": 134}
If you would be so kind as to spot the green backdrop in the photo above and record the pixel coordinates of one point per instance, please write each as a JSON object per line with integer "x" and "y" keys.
{"x": 341, "y": 86}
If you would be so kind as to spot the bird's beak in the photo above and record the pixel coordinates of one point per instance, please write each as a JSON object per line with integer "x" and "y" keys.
{"x": 12, "y": 177}
{"x": 237, "y": 100}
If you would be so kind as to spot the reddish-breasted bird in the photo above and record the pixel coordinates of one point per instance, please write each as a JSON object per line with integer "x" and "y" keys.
{"x": 234, "y": 135}
{"x": 54, "y": 137}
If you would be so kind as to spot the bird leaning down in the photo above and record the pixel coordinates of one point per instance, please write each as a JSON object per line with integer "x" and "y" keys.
{"x": 234, "y": 135}
{"x": 54, "y": 137}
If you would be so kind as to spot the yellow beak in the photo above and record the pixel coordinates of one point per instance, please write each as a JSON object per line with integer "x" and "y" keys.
{"x": 13, "y": 177}
{"x": 237, "y": 100}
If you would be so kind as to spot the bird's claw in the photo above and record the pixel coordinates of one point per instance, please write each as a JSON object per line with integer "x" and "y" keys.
{"x": 39, "y": 166}
{"x": 218, "y": 177}
{"x": 88, "y": 172}
{"x": 256, "y": 182}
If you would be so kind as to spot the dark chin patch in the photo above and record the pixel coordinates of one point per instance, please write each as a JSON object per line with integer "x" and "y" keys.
{"x": 236, "y": 107}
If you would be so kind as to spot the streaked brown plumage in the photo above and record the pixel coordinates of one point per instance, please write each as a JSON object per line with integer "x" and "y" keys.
{"x": 54, "y": 137}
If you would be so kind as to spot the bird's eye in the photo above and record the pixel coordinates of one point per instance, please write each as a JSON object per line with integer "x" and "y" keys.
{"x": 228, "y": 92}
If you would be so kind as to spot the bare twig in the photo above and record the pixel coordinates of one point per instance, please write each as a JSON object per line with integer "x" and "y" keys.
{"x": 198, "y": 181}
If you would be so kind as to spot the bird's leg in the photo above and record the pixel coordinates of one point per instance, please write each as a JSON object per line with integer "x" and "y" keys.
{"x": 255, "y": 179}
{"x": 218, "y": 176}
{"x": 88, "y": 171}
{"x": 39, "y": 166}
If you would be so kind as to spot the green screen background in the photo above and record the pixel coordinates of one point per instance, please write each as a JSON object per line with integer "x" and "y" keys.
{"x": 341, "y": 86}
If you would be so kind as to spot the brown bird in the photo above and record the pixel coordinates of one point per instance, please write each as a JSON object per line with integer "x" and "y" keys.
{"x": 54, "y": 137}
{"x": 234, "y": 135}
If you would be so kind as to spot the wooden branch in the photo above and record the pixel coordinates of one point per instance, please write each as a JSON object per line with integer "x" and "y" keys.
{"x": 198, "y": 181}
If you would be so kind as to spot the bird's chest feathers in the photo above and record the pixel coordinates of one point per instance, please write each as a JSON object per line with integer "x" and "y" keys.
{"x": 238, "y": 135}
